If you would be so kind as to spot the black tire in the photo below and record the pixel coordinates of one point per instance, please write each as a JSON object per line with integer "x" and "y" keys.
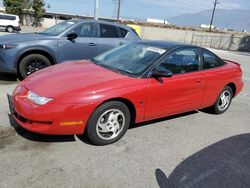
{"x": 92, "y": 127}
{"x": 10, "y": 29}
{"x": 32, "y": 63}
{"x": 216, "y": 107}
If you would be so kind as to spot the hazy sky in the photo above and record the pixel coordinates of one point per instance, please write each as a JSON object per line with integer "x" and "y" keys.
{"x": 142, "y": 8}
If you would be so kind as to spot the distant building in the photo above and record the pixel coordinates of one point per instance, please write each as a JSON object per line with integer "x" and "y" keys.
{"x": 51, "y": 18}
{"x": 152, "y": 20}
{"x": 206, "y": 26}
{"x": 2, "y": 9}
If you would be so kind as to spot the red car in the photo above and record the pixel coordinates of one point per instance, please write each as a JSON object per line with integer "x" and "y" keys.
{"x": 130, "y": 84}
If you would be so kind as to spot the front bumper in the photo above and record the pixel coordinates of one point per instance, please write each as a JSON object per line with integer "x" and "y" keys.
{"x": 17, "y": 28}
{"x": 47, "y": 119}
{"x": 7, "y": 61}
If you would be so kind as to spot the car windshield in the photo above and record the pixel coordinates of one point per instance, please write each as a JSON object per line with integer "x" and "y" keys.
{"x": 132, "y": 59}
{"x": 59, "y": 28}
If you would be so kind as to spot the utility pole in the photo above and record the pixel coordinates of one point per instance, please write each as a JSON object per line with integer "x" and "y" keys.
{"x": 96, "y": 9}
{"x": 118, "y": 10}
{"x": 212, "y": 19}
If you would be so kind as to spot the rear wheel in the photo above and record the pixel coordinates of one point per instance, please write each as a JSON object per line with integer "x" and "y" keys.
{"x": 10, "y": 29}
{"x": 32, "y": 63}
{"x": 108, "y": 123}
{"x": 223, "y": 101}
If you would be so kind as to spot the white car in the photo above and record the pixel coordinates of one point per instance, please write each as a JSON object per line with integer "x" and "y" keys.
{"x": 9, "y": 22}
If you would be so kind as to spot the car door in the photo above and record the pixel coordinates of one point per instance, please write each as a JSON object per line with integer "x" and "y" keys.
{"x": 109, "y": 36}
{"x": 180, "y": 93}
{"x": 215, "y": 76}
{"x": 82, "y": 47}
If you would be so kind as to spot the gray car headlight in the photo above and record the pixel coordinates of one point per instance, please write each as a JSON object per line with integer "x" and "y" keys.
{"x": 3, "y": 46}
{"x": 38, "y": 99}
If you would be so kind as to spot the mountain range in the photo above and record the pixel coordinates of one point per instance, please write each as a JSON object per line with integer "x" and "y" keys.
{"x": 236, "y": 19}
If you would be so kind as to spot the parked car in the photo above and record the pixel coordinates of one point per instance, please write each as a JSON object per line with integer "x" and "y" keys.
{"x": 130, "y": 84}
{"x": 10, "y": 22}
{"x": 26, "y": 53}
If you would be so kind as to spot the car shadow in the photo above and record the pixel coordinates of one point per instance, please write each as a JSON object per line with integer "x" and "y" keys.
{"x": 225, "y": 164}
{"x": 71, "y": 138}
{"x": 39, "y": 137}
{"x": 151, "y": 122}
{"x": 8, "y": 77}
{"x": 67, "y": 138}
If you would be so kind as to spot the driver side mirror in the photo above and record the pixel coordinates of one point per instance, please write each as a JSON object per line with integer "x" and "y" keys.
{"x": 71, "y": 36}
{"x": 162, "y": 73}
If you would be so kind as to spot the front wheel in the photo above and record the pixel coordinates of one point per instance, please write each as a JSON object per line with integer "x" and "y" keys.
{"x": 32, "y": 63}
{"x": 223, "y": 101}
{"x": 108, "y": 123}
{"x": 10, "y": 29}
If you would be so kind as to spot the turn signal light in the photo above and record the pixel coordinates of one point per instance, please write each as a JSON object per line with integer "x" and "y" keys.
{"x": 71, "y": 123}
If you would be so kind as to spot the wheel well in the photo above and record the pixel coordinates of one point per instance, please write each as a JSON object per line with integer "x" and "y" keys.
{"x": 233, "y": 87}
{"x": 129, "y": 104}
{"x": 41, "y": 52}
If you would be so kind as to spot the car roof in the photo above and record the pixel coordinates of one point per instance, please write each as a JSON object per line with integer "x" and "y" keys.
{"x": 9, "y": 14}
{"x": 103, "y": 22}
{"x": 167, "y": 45}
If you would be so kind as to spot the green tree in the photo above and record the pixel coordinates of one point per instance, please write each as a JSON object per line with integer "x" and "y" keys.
{"x": 39, "y": 10}
{"x": 17, "y": 7}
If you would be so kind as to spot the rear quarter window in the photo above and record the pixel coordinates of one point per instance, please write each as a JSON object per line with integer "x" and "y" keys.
{"x": 123, "y": 32}
{"x": 210, "y": 60}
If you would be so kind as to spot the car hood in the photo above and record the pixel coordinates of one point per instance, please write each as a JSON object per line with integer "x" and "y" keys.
{"x": 78, "y": 76}
{"x": 21, "y": 37}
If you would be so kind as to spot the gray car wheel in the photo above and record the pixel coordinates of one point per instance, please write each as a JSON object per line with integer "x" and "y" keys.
{"x": 32, "y": 63}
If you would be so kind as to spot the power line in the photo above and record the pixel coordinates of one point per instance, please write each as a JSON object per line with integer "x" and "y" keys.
{"x": 212, "y": 18}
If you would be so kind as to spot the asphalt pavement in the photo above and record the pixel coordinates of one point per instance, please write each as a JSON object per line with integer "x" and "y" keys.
{"x": 194, "y": 149}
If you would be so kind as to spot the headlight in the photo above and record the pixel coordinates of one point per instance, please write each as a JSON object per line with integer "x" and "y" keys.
{"x": 38, "y": 99}
{"x": 3, "y": 46}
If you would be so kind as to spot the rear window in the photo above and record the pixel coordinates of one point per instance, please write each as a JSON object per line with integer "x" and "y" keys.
{"x": 7, "y": 17}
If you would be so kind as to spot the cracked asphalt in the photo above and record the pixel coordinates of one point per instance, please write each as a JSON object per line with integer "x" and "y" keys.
{"x": 194, "y": 149}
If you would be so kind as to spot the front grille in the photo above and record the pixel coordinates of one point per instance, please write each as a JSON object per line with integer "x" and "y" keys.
{"x": 19, "y": 117}
{"x": 25, "y": 120}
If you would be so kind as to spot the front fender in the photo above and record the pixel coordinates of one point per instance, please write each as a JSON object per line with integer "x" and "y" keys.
{"x": 35, "y": 49}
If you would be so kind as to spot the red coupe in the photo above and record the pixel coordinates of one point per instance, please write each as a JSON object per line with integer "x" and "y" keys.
{"x": 130, "y": 84}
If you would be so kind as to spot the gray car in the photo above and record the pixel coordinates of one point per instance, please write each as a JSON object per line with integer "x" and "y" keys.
{"x": 26, "y": 53}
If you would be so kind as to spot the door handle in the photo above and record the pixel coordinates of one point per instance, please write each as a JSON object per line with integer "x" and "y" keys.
{"x": 92, "y": 44}
{"x": 121, "y": 43}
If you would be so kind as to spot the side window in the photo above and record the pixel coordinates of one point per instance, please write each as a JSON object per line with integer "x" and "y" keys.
{"x": 181, "y": 61}
{"x": 6, "y": 17}
{"x": 123, "y": 32}
{"x": 85, "y": 30}
{"x": 108, "y": 31}
{"x": 11, "y": 18}
{"x": 210, "y": 60}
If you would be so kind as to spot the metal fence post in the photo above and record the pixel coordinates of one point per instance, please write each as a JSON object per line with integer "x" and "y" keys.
{"x": 231, "y": 42}
{"x": 192, "y": 40}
